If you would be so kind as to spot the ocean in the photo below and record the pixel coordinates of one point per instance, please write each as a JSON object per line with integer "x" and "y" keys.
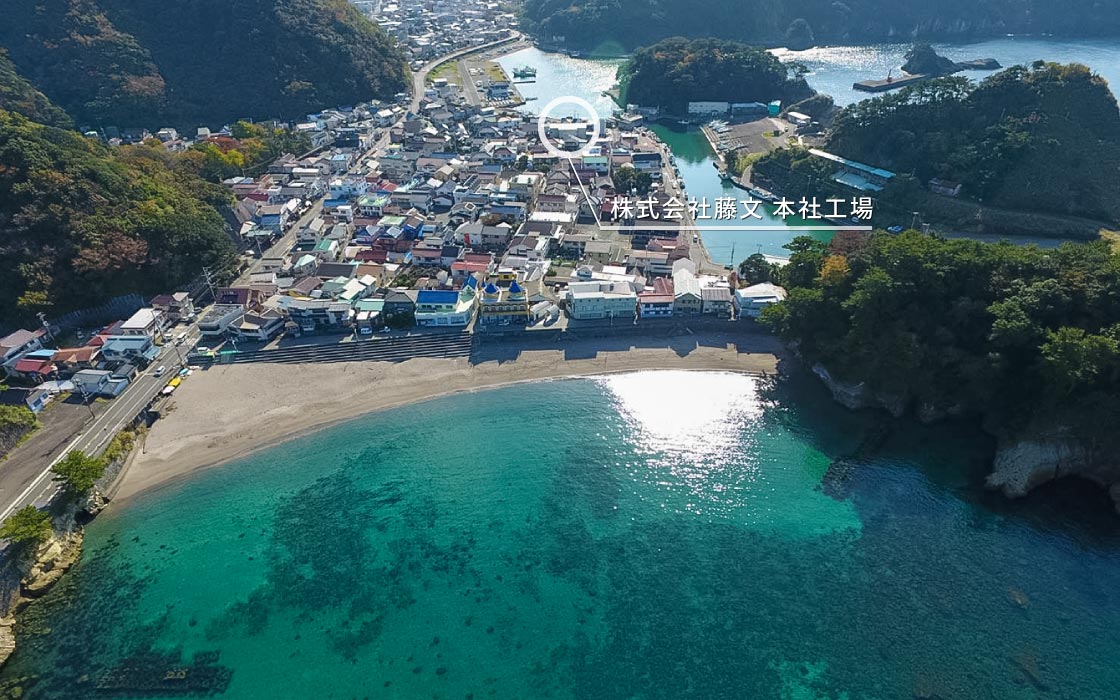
{"x": 647, "y": 535}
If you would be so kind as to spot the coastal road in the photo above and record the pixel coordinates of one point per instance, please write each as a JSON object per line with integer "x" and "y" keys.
{"x": 420, "y": 77}
{"x": 33, "y": 483}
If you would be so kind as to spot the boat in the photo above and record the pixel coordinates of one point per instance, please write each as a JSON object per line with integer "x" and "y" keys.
{"x": 764, "y": 195}
{"x": 525, "y": 72}
{"x": 726, "y": 176}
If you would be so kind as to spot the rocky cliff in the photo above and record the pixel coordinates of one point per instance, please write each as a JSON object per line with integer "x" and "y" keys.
{"x": 30, "y": 575}
{"x": 1021, "y": 463}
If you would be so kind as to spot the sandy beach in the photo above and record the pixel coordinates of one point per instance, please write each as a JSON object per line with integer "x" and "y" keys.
{"x": 228, "y": 411}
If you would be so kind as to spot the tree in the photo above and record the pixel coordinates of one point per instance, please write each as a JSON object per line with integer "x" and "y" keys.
{"x": 756, "y": 269}
{"x": 78, "y": 472}
{"x": 631, "y": 180}
{"x": 26, "y": 526}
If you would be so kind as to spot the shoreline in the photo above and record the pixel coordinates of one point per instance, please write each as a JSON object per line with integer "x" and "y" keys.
{"x": 265, "y": 405}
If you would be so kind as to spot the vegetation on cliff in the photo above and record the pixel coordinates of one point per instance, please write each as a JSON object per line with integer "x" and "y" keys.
{"x": 79, "y": 472}
{"x": 1015, "y": 333}
{"x": 16, "y": 423}
{"x": 674, "y": 72}
{"x": 129, "y": 63}
{"x": 80, "y": 222}
{"x": 26, "y": 526}
{"x": 922, "y": 59}
{"x": 590, "y": 23}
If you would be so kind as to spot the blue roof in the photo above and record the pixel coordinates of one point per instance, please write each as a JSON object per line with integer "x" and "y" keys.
{"x": 471, "y": 282}
{"x": 437, "y": 296}
{"x": 514, "y": 287}
{"x": 491, "y": 289}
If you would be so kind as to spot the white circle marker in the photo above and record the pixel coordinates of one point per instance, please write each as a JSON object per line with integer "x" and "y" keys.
{"x": 596, "y": 126}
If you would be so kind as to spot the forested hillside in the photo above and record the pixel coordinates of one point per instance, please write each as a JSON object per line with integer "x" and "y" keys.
{"x": 1016, "y": 333}
{"x": 1040, "y": 138}
{"x": 188, "y": 62}
{"x": 632, "y": 23}
{"x": 673, "y": 72}
{"x": 80, "y": 222}
{"x": 18, "y": 95}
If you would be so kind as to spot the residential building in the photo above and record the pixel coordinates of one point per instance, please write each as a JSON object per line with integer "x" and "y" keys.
{"x": 654, "y": 305}
{"x": 500, "y": 307}
{"x": 131, "y": 349}
{"x": 599, "y": 300}
{"x": 175, "y": 307}
{"x": 150, "y": 322}
{"x": 750, "y": 301}
{"x": 439, "y": 307}
{"x": 716, "y": 301}
{"x": 219, "y": 318}
{"x": 686, "y": 294}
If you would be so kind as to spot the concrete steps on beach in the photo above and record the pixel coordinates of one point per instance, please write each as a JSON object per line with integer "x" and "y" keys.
{"x": 399, "y": 349}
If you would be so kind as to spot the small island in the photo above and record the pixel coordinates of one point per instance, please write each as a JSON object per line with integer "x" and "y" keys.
{"x": 674, "y": 72}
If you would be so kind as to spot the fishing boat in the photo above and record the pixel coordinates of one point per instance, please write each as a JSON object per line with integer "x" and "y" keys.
{"x": 726, "y": 176}
{"x": 525, "y": 72}
{"x": 764, "y": 195}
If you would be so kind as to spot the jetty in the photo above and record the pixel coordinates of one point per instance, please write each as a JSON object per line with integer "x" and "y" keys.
{"x": 892, "y": 83}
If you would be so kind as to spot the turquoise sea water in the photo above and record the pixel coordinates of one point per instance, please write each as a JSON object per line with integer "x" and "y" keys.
{"x": 652, "y": 535}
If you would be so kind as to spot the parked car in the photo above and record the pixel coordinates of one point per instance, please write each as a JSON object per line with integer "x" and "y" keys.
{"x": 160, "y": 370}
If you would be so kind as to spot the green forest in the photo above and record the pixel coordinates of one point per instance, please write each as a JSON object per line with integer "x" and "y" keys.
{"x": 676, "y": 71}
{"x": 80, "y": 222}
{"x": 590, "y": 24}
{"x": 128, "y": 63}
{"x": 1029, "y": 139}
{"x": 1014, "y": 333}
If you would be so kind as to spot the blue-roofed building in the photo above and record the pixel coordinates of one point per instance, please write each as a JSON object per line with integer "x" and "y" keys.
{"x": 500, "y": 308}
{"x": 855, "y": 174}
{"x": 445, "y": 307}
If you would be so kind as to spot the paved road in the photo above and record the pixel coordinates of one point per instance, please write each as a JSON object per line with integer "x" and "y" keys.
{"x": 420, "y": 77}
{"x": 31, "y": 482}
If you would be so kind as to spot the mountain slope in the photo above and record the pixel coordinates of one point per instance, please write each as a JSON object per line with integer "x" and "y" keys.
{"x": 632, "y": 23}
{"x": 18, "y": 95}
{"x": 80, "y": 222}
{"x": 189, "y": 62}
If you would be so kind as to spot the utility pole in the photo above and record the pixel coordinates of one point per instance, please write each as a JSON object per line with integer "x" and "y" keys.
{"x": 210, "y": 284}
{"x": 47, "y": 327}
{"x": 85, "y": 398}
{"x": 914, "y": 221}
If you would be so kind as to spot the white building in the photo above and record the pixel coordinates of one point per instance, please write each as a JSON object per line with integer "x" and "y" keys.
{"x": 750, "y": 301}
{"x": 596, "y": 300}
{"x": 147, "y": 322}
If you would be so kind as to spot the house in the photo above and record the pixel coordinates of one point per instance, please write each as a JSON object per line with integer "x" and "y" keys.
{"x": 601, "y": 252}
{"x": 399, "y": 302}
{"x": 715, "y": 301}
{"x": 98, "y": 382}
{"x": 219, "y": 318}
{"x": 260, "y": 326}
{"x": 17, "y": 344}
{"x": 439, "y": 307}
{"x": 175, "y": 307}
{"x": 149, "y": 321}
{"x": 501, "y": 308}
{"x": 750, "y": 301}
{"x": 854, "y": 174}
{"x": 598, "y": 300}
{"x": 654, "y": 305}
{"x": 70, "y": 360}
{"x": 132, "y": 349}
{"x": 369, "y": 313}
{"x": 314, "y": 314}
{"x": 687, "y": 300}
{"x": 35, "y": 366}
